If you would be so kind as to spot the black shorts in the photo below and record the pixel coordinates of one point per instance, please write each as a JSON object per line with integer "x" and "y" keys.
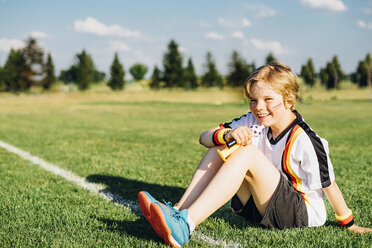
{"x": 286, "y": 209}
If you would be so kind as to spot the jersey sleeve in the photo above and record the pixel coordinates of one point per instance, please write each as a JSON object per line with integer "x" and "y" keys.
{"x": 313, "y": 155}
{"x": 244, "y": 120}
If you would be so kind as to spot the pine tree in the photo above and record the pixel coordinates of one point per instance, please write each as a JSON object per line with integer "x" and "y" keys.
{"x": 191, "y": 80}
{"x": 239, "y": 70}
{"x": 363, "y": 74}
{"x": 173, "y": 70}
{"x": 16, "y": 73}
{"x": 84, "y": 70}
{"x": 138, "y": 71}
{"x": 337, "y": 67}
{"x": 117, "y": 73}
{"x": 2, "y": 83}
{"x": 34, "y": 55}
{"x": 332, "y": 76}
{"x": 49, "y": 73}
{"x": 270, "y": 57}
{"x": 323, "y": 76}
{"x": 211, "y": 77}
{"x": 308, "y": 73}
{"x": 155, "y": 78}
{"x": 368, "y": 61}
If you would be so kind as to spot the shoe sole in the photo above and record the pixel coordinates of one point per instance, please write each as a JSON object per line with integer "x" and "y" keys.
{"x": 159, "y": 219}
{"x": 145, "y": 203}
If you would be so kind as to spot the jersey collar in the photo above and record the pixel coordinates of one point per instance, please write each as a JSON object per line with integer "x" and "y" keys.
{"x": 285, "y": 131}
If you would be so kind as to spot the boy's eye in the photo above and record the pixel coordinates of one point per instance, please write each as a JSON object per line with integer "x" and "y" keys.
{"x": 269, "y": 98}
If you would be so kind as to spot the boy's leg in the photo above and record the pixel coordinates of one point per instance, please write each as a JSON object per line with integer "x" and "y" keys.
{"x": 246, "y": 163}
{"x": 204, "y": 173}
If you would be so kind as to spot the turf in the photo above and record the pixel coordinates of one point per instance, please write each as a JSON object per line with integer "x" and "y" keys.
{"x": 149, "y": 142}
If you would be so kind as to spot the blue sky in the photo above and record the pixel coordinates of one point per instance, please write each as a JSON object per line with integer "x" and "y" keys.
{"x": 294, "y": 30}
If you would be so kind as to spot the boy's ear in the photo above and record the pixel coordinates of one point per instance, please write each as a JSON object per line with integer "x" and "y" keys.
{"x": 288, "y": 105}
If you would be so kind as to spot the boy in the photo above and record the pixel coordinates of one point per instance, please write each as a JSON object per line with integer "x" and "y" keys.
{"x": 279, "y": 182}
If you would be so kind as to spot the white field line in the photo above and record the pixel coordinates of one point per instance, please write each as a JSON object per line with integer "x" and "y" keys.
{"x": 101, "y": 191}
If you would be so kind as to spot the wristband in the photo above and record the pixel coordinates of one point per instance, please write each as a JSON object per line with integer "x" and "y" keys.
{"x": 345, "y": 220}
{"x": 219, "y": 136}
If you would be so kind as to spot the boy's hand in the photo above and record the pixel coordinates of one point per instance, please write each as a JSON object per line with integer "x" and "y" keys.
{"x": 358, "y": 229}
{"x": 242, "y": 135}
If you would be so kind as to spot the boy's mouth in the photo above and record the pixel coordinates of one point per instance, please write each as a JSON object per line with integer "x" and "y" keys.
{"x": 262, "y": 116}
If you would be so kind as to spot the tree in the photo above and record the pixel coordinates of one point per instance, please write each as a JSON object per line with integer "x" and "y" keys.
{"x": 84, "y": 70}
{"x": 155, "y": 78}
{"x": 323, "y": 76}
{"x": 68, "y": 76}
{"x": 49, "y": 73}
{"x": 98, "y": 76}
{"x": 191, "y": 80}
{"x": 117, "y": 73}
{"x": 2, "y": 83}
{"x": 332, "y": 76}
{"x": 338, "y": 69}
{"x": 138, "y": 71}
{"x": 16, "y": 72}
{"x": 239, "y": 70}
{"x": 270, "y": 57}
{"x": 173, "y": 74}
{"x": 363, "y": 74}
{"x": 308, "y": 73}
{"x": 211, "y": 77}
{"x": 34, "y": 55}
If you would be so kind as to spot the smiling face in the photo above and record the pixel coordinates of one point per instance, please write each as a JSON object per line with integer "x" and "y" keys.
{"x": 269, "y": 107}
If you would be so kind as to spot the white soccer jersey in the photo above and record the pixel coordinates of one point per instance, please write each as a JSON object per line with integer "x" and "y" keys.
{"x": 302, "y": 157}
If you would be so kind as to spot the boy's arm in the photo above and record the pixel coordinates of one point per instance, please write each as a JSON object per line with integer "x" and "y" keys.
{"x": 338, "y": 203}
{"x": 242, "y": 135}
{"x": 205, "y": 138}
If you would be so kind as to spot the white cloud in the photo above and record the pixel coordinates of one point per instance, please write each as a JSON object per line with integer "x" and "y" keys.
{"x": 261, "y": 10}
{"x": 365, "y": 25}
{"x": 272, "y": 46}
{"x": 91, "y": 25}
{"x": 367, "y": 11}
{"x": 213, "y": 36}
{"x": 246, "y": 23}
{"x": 39, "y": 34}
{"x": 333, "y": 5}
{"x": 7, "y": 44}
{"x": 238, "y": 35}
{"x": 225, "y": 22}
{"x": 116, "y": 45}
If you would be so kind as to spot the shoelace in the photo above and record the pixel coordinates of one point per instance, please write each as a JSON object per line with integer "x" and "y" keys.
{"x": 176, "y": 213}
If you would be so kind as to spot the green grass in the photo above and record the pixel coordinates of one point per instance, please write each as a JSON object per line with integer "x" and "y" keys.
{"x": 149, "y": 141}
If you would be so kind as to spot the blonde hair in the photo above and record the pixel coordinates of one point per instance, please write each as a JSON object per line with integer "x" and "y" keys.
{"x": 280, "y": 78}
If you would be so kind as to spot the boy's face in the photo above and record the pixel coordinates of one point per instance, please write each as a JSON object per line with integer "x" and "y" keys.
{"x": 268, "y": 106}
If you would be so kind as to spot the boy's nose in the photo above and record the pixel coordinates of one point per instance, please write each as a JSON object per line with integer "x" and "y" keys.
{"x": 260, "y": 105}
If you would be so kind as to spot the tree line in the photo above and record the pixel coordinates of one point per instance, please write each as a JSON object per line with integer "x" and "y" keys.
{"x": 30, "y": 66}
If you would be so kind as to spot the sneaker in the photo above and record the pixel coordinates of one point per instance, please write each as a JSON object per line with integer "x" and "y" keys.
{"x": 145, "y": 200}
{"x": 172, "y": 225}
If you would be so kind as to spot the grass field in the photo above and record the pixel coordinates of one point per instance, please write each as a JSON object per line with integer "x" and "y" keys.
{"x": 135, "y": 141}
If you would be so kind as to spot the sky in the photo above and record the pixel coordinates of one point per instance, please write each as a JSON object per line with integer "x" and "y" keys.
{"x": 139, "y": 31}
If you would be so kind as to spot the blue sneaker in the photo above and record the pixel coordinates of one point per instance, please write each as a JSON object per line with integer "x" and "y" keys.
{"x": 173, "y": 226}
{"x": 145, "y": 200}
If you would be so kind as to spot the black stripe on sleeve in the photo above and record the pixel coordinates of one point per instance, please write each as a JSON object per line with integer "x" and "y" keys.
{"x": 228, "y": 124}
{"x": 320, "y": 153}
